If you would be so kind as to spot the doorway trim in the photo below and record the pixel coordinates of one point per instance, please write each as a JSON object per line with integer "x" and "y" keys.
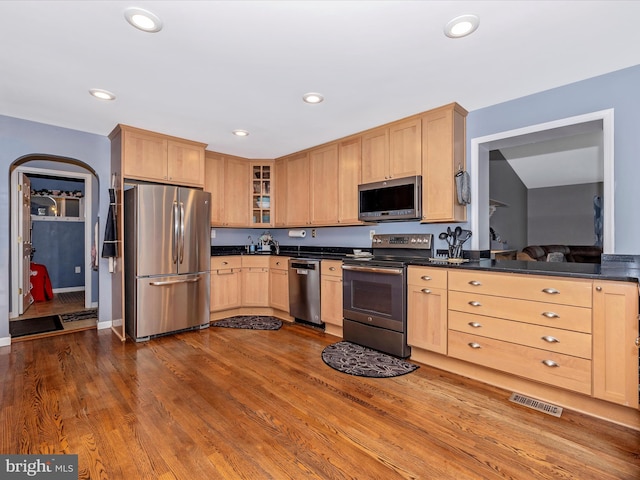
{"x": 88, "y": 229}
{"x": 480, "y": 147}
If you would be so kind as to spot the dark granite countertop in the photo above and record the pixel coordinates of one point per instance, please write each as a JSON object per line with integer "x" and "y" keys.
{"x": 614, "y": 267}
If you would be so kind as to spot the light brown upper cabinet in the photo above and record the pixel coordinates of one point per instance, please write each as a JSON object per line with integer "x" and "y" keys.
{"x": 349, "y": 168}
{"x": 443, "y": 155}
{"x": 228, "y": 180}
{"x": 392, "y": 151}
{"x": 159, "y": 158}
{"x": 280, "y": 178}
{"x": 323, "y": 185}
{"x": 297, "y": 186}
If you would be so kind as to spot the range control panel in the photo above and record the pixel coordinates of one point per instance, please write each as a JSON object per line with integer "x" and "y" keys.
{"x": 418, "y": 241}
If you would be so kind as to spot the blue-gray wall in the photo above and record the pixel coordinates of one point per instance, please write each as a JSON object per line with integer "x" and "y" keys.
{"x": 22, "y": 138}
{"x": 618, "y": 90}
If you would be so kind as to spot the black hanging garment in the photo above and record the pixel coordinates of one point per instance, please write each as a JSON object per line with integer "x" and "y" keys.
{"x": 110, "y": 244}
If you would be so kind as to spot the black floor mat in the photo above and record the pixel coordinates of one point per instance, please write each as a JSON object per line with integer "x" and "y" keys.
{"x": 31, "y": 326}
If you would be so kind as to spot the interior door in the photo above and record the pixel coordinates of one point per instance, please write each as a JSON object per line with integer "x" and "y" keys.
{"x": 24, "y": 238}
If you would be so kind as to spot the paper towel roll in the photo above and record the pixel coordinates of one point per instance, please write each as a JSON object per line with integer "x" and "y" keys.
{"x": 297, "y": 233}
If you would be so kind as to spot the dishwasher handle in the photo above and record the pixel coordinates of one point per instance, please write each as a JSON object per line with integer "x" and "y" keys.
{"x": 303, "y": 266}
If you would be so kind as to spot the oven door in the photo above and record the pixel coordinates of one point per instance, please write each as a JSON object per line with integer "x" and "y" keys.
{"x": 375, "y": 296}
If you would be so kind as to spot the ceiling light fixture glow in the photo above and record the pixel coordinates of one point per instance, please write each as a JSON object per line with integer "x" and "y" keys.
{"x": 313, "y": 98}
{"x": 102, "y": 94}
{"x": 462, "y": 26}
{"x": 143, "y": 19}
{"x": 240, "y": 133}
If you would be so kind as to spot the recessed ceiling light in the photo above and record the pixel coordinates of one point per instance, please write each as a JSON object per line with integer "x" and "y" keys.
{"x": 461, "y": 26}
{"x": 102, "y": 94}
{"x": 143, "y": 19}
{"x": 240, "y": 133}
{"x": 312, "y": 97}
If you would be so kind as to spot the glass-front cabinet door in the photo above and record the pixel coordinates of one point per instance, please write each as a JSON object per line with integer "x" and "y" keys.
{"x": 261, "y": 193}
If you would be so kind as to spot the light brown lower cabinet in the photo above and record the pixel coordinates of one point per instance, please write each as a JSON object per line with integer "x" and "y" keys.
{"x": 279, "y": 283}
{"x": 427, "y": 308}
{"x": 225, "y": 283}
{"x": 255, "y": 281}
{"x": 331, "y": 296}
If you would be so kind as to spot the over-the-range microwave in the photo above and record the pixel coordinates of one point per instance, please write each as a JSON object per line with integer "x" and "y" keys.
{"x": 391, "y": 200}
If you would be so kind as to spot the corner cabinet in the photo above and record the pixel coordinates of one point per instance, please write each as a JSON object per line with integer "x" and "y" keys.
{"x": 159, "y": 158}
{"x": 443, "y": 155}
{"x": 261, "y": 194}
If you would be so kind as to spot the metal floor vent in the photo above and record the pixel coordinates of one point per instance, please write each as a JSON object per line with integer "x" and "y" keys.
{"x": 543, "y": 407}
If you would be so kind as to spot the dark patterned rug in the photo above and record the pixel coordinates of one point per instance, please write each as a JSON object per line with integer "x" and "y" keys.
{"x": 361, "y": 361}
{"x": 31, "y": 326}
{"x": 253, "y": 322}
{"x": 83, "y": 315}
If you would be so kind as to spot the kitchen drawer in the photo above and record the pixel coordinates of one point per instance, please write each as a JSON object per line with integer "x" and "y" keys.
{"x": 427, "y": 277}
{"x": 527, "y": 287}
{"x": 567, "y": 342}
{"x": 567, "y": 317}
{"x": 225, "y": 262}
{"x": 255, "y": 261}
{"x": 569, "y": 372}
{"x": 332, "y": 268}
{"x": 279, "y": 263}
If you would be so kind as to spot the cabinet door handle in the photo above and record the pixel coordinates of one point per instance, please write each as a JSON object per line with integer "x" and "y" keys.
{"x": 425, "y": 277}
{"x": 638, "y": 342}
{"x": 550, "y": 291}
{"x": 550, "y": 339}
{"x": 475, "y": 345}
{"x": 425, "y": 290}
{"x": 550, "y": 315}
{"x": 225, "y": 263}
{"x": 475, "y": 283}
{"x": 550, "y": 363}
{"x": 332, "y": 269}
{"x": 473, "y": 303}
{"x": 598, "y": 289}
{"x": 475, "y": 324}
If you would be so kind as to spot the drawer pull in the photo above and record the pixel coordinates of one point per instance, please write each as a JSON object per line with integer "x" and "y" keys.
{"x": 550, "y": 339}
{"x": 550, "y": 363}
{"x": 475, "y": 324}
{"x": 425, "y": 290}
{"x": 475, "y": 283}
{"x": 332, "y": 269}
{"x": 426, "y": 277}
{"x": 225, "y": 263}
{"x": 638, "y": 342}
{"x": 598, "y": 289}
{"x": 475, "y": 345}
{"x": 550, "y": 315}
{"x": 473, "y": 303}
{"x": 550, "y": 291}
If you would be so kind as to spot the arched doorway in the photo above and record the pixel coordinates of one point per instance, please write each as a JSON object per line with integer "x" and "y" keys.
{"x": 63, "y": 222}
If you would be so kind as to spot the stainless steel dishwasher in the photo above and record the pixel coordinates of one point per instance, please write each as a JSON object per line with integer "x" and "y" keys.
{"x": 304, "y": 290}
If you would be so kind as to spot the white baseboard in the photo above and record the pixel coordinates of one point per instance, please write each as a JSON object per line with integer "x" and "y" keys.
{"x": 68, "y": 289}
{"x": 103, "y": 325}
{"x": 5, "y": 341}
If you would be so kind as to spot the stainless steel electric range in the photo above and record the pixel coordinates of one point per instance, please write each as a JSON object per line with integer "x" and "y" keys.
{"x": 375, "y": 292}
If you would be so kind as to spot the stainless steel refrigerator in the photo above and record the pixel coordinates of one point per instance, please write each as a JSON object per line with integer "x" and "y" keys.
{"x": 167, "y": 256}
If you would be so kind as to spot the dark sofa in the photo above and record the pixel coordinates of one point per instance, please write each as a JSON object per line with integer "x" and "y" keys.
{"x": 572, "y": 253}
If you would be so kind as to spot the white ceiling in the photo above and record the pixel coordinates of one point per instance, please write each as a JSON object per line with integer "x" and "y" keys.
{"x": 222, "y": 65}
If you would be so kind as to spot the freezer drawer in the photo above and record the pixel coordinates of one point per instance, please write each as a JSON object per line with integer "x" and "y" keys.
{"x": 171, "y": 303}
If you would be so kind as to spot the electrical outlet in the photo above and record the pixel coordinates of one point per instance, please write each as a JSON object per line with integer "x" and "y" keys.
{"x": 213, "y": 233}
{"x": 313, "y": 233}
{"x": 371, "y": 234}
{"x": 78, "y": 269}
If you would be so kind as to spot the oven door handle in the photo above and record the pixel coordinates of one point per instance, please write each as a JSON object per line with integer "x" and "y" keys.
{"x": 383, "y": 270}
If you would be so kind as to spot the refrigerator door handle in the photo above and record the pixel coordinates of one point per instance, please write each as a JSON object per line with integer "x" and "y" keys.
{"x": 181, "y": 232}
{"x": 174, "y": 245}
{"x": 173, "y": 282}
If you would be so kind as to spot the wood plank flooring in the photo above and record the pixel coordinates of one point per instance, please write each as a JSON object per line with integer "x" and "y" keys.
{"x": 226, "y": 403}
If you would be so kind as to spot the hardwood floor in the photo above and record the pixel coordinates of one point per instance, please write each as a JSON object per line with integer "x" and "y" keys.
{"x": 61, "y": 303}
{"x": 229, "y": 403}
